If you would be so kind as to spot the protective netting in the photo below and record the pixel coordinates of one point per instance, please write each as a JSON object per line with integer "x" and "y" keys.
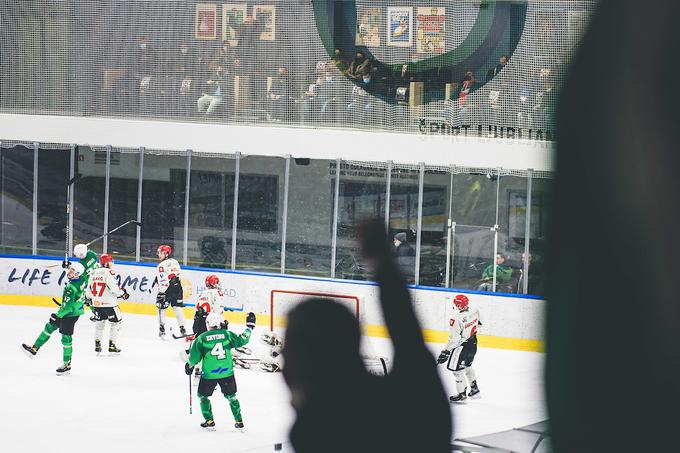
{"x": 483, "y": 68}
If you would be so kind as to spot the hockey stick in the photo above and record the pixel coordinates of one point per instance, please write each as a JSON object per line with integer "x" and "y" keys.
{"x": 139, "y": 224}
{"x": 69, "y": 183}
{"x": 56, "y": 301}
{"x": 191, "y": 403}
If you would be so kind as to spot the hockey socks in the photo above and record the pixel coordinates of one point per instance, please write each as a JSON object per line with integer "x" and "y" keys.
{"x": 206, "y": 407}
{"x": 234, "y": 405}
{"x": 67, "y": 343}
{"x": 44, "y": 335}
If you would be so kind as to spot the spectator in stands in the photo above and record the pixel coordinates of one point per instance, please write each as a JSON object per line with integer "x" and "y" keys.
{"x": 358, "y": 66}
{"x": 503, "y": 276}
{"x": 321, "y": 102}
{"x": 339, "y": 61}
{"x": 184, "y": 78}
{"x": 406, "y": 256}
{"x": 534, "y": 277}
{"x": 361, "y": 105}
{"x": 212, "y": 95}
{"x": 279, "y": 94}
{"x": 493, "y": 72}
{"x": 460, "y": 105}
{"x": 545, "y": 100}
{"x": 344, "y": 408}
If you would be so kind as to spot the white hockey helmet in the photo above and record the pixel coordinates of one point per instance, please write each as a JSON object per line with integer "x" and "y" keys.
{"x": 80, "y": 250}
{"x": 213, "y": 321}
{"x": 77, "y": 269}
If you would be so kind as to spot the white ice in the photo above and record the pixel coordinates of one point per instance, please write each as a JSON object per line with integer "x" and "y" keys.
{"x": 139, "y": 401}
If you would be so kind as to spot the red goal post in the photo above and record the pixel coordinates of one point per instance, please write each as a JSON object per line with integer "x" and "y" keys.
{"x": 353, "y": 301}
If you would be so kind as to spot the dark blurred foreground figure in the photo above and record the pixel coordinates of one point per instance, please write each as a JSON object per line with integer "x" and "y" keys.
{"x": 613, "y": 307}
{"x": 340, "y": 406}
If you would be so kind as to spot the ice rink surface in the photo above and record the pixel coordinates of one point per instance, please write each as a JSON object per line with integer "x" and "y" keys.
{"x": 139, "y": 401}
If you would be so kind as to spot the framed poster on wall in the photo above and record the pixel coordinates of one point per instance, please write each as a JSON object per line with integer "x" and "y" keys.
{"x": 206, "y": 21}
{"x": 400, "y": 26}
{"x": 266, "y": 13}
{"x": 430, "y": 30}
{"x": 233, "y": 15}
{"x": 368, "y": 27}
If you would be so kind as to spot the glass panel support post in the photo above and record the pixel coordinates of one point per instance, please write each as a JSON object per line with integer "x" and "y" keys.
{"x": 185, "y": 239}
{"x": 284, "y": 215}
{"x": 336, "y": 201}
{"x": 237, "y": 174}
{"x": 419, "y": 227}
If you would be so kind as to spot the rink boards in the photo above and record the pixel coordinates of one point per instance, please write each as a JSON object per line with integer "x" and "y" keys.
{"x": 510, "y": 321}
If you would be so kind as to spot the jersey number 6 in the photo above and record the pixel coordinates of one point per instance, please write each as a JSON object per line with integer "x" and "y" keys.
{"x": 99, "y": 285}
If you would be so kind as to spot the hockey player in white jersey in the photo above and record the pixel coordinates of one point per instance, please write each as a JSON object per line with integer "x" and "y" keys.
{"x": 210, "y": 300}
{"x": 170, "y": 292}
{"x": 461, "y": 348}
{"x": 104, "y": 292}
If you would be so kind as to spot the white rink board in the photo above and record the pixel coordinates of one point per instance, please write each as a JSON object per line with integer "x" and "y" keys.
{"x": 509, "y": 317}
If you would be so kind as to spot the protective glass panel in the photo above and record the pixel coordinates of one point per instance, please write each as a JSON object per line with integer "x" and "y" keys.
{"x": 123, "y": 189}
{"x": 512, "y": 207}
{"x": 474, "y": 212}
{"x": 163, "y": 196}
{"x": 310, "y": 217}
{"x": 434, "y": 236}
{"x": 16, "y": 202}
{"x": 89, "y": 197}
{"x": 404, "y": 219}
{"x": 362, "y": 195}
{"x": 260, "y": 206}
{"x": 541, "y": 194}
{"x": 211, "y": 211}
{"x": 53, "y": 175}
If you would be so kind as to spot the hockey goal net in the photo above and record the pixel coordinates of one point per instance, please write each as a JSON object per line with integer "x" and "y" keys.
{"x": 281, "y": 301}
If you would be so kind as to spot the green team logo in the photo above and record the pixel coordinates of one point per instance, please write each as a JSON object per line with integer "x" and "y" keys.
{"x": 496, "y": 31}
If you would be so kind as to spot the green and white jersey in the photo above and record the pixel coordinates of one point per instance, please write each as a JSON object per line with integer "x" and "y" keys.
{"x": 214, "y": 349}
{"x": 71, "y": 299}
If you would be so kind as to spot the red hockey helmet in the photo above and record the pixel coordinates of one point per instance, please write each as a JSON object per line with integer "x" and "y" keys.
{"x": 461, "y": 302}
{"x": 165, "y": 248}
{"x": 105, "y": 259}
{"x": 211, "y": 281}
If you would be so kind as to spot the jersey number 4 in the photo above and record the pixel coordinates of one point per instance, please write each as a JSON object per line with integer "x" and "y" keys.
{"x": 218, "y": 351}
{"x": 100, "y": 291}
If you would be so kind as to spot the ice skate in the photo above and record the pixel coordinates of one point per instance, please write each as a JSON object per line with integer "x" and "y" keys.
{"x": 239, "y": 426}
{"x": 30, "y": 351}
{"x": 113, "y": 349}
{"x": 97, "y": 346}
{"x": 182, "y": 331}
{"x": 208, "y": 425}
{"x": 460, "y": 398}
{"x": 474, "y": 391}
{"x": 161, "y": 332}
{"x": 64, "y": 369}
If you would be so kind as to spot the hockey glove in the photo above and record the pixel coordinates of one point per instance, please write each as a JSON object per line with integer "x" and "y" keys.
{"x": 125, "y": 295}
{"x": 251, "y": 320}
{"x": 54, "y": 320}
{"x": 65, "y": 264}
{"x": 188, "y": 369}
{"x": 200, "y": 313}
{"x": 444, "y": 356}
{"x": 160, "y": 301}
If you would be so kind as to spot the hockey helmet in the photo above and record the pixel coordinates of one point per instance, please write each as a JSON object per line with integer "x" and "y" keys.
{"x": 80, "y": 250}
{"x": 77, "y": 268}
{"x": 165, "y": 249}
{"x": 213, "y": 321}
{"x": 461, "y": 302}
{"x": 105, "y": 259}
{"x": 211, "y": 281}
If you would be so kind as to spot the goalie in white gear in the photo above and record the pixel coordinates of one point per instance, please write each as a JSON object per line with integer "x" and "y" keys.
{"x": 273, "y": 361}
{"x": 170, "y": 292}
{"x": 104, "y": 292}
{"x": 461, "y": 348}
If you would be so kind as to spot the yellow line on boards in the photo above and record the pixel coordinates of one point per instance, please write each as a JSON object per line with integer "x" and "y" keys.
{"x": 371, "y": 330}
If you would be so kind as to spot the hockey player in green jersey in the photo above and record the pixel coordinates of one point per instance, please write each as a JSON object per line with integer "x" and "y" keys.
{"x": 64, "y": 319}
{"x": 89, "y": 261}
{"x": 214, "y": 349}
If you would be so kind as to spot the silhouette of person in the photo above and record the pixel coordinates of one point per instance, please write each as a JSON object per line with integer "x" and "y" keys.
{"x": 340, "y": 406}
